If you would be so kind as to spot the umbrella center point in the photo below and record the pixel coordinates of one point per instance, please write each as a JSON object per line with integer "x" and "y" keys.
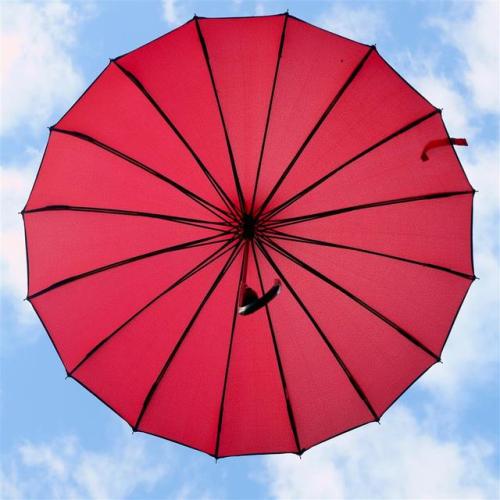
{"x": 248, "y": 226}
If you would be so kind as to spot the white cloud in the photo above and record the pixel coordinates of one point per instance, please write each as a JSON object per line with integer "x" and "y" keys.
{"x": 38, "y": 76}
{"x": 476, "y": 35}
{"x": 173, "y": 12}
{"x": 472, "y": 350}
{"x": 38, "y": 79}
{"x": 442, "y": 92}
{"x": 400, "y": 459}
{"x": 260, "y": 9}
{"x": 15, "y": 184}
{"x": 361, "y": 23}
{"x": 63, "y": 469}
{"x": 471, "y": 354}
{"x": 423, "y": 71}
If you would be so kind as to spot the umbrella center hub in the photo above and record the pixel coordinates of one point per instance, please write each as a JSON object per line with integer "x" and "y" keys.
{"x": 248, "y": 226}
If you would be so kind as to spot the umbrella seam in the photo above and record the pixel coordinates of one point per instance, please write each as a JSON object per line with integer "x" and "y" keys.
{"x": 352, "y": 296}
{"x": 142, "y": 166}
{"x": 221, "y": 115}
{"x": 168, "y": 362}
{"x": 286, "y": 394}
{"x": 169, "y": 439}
{"x": 131, "y": 213}
{"x": 320, "y": 215}
{"x": 356, "y": 386}
{"x": 139, "y": 85}
{"x": 474, "y": 192}
{"x": 316, "y": 127}
{"x": 300, "y": 239}
{"x": 374, "y": 146}
{"x": 182, "y": 246}
{"x": 226, "y": 373}
{"x": 268, "y": 118}
{"x": 204, "y": 263}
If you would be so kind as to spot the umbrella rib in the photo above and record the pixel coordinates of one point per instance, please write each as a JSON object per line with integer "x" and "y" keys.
{"x": 210, "y": 240}
{"x": 352, "y": 296}
{"x": 332, "y": 349}
{"x": 221, "y": 114}
{"x": 310, "y": 241}
{"x": 320, "y": 181}
{"x": 223, "y": 397}
{"x": 316, "y": 127}
{"x": 268, "y": 118}
{"x": 115, "y": 211}
{"x": 198, "y": 199}
{"x": 286, "y": 394}
{"x": 204, "y": 263}
{"x": 223, "y": 195}
{"x": 319, "y": 215}
{"x": 165, "y": 367}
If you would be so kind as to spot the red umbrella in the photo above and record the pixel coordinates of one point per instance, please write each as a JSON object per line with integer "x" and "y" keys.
{"x": 214, "y": 167}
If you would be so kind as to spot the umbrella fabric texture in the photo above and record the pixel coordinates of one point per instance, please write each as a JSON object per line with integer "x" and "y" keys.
{"x": 249, "y": 235}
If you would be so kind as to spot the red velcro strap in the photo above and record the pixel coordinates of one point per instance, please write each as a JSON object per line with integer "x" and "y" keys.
{"x": 436, "y": 143}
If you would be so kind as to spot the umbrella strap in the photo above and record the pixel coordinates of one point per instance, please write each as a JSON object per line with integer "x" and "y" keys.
{"x": 436, "y": 143}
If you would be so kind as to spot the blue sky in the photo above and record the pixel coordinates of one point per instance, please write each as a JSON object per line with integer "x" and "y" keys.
{"x": 440, "y": 440}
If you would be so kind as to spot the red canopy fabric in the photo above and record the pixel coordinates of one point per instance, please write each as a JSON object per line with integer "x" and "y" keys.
{"x": 274, "y": 136}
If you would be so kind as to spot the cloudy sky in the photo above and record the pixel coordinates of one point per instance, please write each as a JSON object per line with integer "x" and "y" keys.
{"x": 440, "y": 440}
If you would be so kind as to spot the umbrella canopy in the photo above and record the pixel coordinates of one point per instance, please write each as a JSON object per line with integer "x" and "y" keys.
{"x": 249, "y": 235}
